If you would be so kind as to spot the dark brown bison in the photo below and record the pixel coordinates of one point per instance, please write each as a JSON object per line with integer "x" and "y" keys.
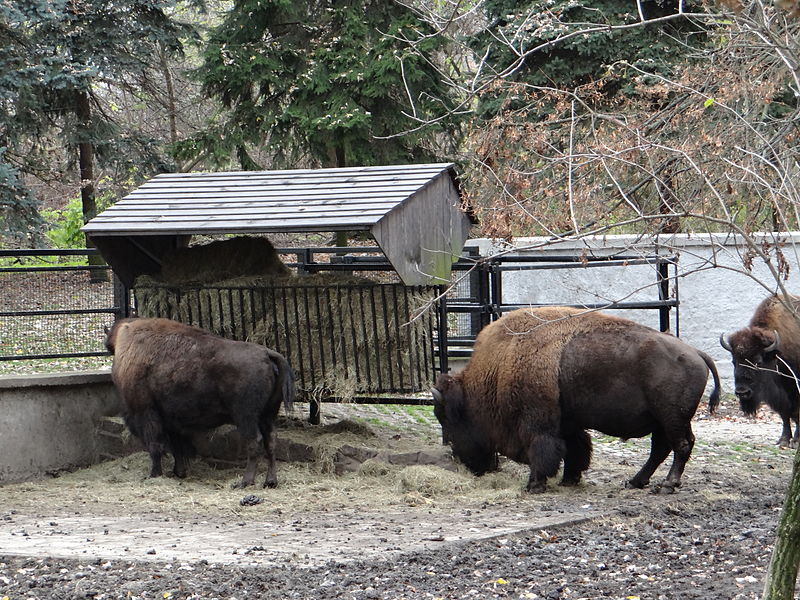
{"x": 766, "y": 357}
{"x": 176, "y": 380}
{"x": 539, "y": 378}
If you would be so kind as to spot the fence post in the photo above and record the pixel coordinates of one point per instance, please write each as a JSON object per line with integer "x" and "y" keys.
{"x": 122, "y": 295}
{"x": 484, "y": 296}
{"x": 496, "y": 279}
{"x": 663, "y": 293}
{"x": 442, "y": 313}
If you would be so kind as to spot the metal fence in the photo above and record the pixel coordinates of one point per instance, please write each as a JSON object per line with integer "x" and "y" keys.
{"x": 49, "y": 309}
{"x": 57, "y": 310}
{"x": 476, "y": 298}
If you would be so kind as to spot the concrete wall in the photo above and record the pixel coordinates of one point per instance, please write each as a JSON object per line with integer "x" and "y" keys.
{"x": 48, "y": 422}
{"x": 717, "y": 294}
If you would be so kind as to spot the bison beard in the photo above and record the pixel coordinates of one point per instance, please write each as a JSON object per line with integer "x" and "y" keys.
{"x": 175, "y": 380}
{"x": 539, "y": 378}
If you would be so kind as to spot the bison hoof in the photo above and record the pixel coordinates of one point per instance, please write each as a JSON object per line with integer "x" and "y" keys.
{"x": 635, "y": 485}
{"x": 536, "y": 488}
{"x": 665, "y": 488}
{"x": 239, "y": 485}
{"x": 270, "y": 483}
{"x": 570, "y": 482}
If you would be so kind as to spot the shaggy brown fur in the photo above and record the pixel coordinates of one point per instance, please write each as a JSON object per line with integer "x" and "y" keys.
{"x": 538, "y": 378}
{"x": 766, "y": 374}
{"x": 176, "y": 379}
{"x": 773, "y": 315}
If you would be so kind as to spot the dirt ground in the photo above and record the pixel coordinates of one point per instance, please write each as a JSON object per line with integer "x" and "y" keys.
{"x": 404, "y": 531}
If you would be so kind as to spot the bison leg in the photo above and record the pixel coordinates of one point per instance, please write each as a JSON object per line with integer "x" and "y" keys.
{"x": 577, "y": 458}
{"x": 146, "y": 426}
{"x": 544, "y": 456}
{"x": 182, "y": 450}
{"x": 681, "y": 450}
{"x": 270, "y": 440}
{"x": 785, "y": 441}
{"x": 249, "y": 476}
{"x": 659, "y": 450}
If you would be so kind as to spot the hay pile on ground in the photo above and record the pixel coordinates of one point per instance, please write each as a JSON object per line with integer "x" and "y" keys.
{"x": 121, "y": 485}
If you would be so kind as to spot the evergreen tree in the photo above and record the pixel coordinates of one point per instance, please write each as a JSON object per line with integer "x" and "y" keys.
{"x": 516, "y": 29}
{"x": 59, "y": 59}
{"x": 320, "y": 84}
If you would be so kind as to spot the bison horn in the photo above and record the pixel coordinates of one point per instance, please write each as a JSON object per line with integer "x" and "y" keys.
{"x": 773, "y": 345}
{"x": 725, "y": 343}
{"x": 437, "y": 396}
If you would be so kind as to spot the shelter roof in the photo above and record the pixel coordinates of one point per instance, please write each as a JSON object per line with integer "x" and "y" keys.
{"x": 352, "y": 199}
{"x": 413, "y": 211}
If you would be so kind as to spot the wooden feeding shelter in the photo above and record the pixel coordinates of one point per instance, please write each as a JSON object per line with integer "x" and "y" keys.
{"x": 412, "y": 211}
{"x": 343, "y": 337}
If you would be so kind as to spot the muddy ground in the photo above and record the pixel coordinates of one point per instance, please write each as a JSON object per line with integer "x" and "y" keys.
{"x": 403, "y": 530}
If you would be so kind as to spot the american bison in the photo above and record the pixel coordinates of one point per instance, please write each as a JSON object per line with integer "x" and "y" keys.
{"x": 766, "y": 358}
{"x": 175, "y": 380}
{"x": 540, "y": 377}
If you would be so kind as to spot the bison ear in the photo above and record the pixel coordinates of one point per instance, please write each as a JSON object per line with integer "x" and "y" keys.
{"x": 454, "y": 406}
{"x": 768, "y": 340}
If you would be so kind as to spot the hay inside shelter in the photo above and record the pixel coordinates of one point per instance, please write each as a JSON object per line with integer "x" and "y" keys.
{"x": 343, "y": 335}
{"x": 222, "y": 259}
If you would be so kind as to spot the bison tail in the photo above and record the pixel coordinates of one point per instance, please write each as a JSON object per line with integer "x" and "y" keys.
{"x": 713, "y": 400}
{"x": 285, "y": 386}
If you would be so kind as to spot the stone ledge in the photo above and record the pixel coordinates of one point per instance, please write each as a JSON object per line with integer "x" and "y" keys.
{"x": 55, "y": 379}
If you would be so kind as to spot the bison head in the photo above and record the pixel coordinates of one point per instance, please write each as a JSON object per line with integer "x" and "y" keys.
{"x": 468, "y": 440}
{"x": 756, "y": 369}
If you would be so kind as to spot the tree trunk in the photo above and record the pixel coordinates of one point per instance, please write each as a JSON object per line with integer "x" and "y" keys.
{"x": 782, "y": 573}
{"x": 172, "y": 111}
{"x": 86, "y": 168}
{"x": 339, "y": 159}
{"x": 666, "y": 197}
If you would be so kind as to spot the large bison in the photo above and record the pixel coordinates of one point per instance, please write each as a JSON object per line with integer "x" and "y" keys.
{"x": 766, "y": 358}
{"x": 176, "y": 380}
{"x": 539, "y": 378}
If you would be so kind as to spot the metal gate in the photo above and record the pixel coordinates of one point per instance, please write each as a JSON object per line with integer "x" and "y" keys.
{"x": 477, "y": 297}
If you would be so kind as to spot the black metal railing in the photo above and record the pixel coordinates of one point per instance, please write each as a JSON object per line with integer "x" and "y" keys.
{"x": 477, "y": 296}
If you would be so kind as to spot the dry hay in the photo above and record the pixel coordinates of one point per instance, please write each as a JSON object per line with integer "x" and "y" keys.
{"x": 222, "y": 259}
{"x": 121, "y": 487}
{"x": 343, "y": 335}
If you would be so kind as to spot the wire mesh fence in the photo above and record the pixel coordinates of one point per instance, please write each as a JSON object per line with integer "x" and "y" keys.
{"x": 51, "y": 311}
